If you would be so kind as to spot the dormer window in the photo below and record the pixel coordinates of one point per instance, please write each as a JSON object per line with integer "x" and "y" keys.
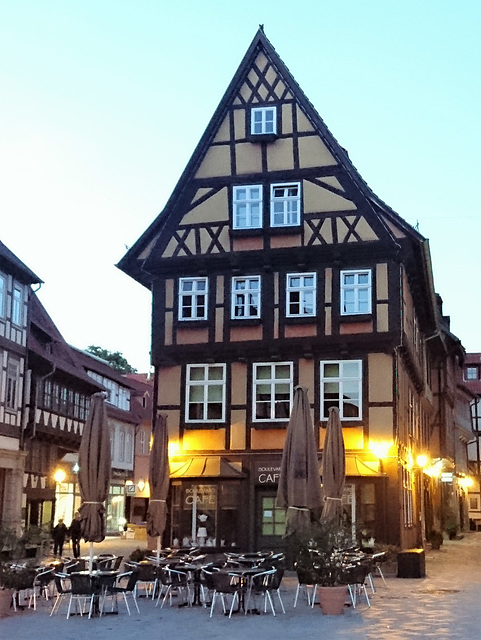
{"x": 263, "y": 121}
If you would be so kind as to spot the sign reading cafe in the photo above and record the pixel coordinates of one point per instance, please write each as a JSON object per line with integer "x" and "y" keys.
{"x": 268, "y": 474}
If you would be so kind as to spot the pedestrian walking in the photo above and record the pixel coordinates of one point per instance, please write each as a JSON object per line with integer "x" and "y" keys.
{"x": 75, "y": 534}
{"x": 59, "y": 534}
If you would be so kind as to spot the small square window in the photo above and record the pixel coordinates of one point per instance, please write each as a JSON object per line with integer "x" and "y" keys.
{"x": 263, "y": 121}
{"x": 300, "y": 294}
{"x": 471, "y": 373}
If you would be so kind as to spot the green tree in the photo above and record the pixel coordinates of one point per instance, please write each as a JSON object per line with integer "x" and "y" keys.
{"x": 114, "y": 358}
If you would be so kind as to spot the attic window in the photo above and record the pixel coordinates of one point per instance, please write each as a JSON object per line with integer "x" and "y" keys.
{"x": 263, "y": 121}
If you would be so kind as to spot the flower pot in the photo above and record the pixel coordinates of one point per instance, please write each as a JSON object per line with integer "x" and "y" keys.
{"x": 332, "y": 599}
{"x": 5, "y": 602}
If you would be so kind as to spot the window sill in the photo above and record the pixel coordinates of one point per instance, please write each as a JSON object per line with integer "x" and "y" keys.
{"x": 353, "y": 317}
{"x": 262, "y": 137}
{"x": 270, "y": 425}
{"x": 301, "y": 319}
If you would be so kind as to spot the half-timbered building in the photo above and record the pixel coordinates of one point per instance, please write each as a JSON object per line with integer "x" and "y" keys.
{"x": 274, "y": 264}
{"x": 15, "y": 286}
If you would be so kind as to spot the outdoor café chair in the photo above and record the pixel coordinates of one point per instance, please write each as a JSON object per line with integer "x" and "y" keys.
{"x": 40, "y": 587}
{"x": 226, "y": 584}
{"x": 62, "y": 585}
{"x": 262, "y": 584}
{"x": 147, "y": 578}
{"x": 173, "y": 580}
{"x": 82, "y": 592}
{"x": 306, "y": 582}
{"x": 377, "y": 559}
{"x": 356, "y": 575}
{"x": 124, "y": 586}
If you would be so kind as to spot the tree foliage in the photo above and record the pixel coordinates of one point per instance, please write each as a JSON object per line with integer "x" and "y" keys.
{"x": 114, "y": 358}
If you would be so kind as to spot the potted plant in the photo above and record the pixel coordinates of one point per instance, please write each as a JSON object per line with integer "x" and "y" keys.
{"x": 321, "y": 555}
{"x": 9, "y": 552}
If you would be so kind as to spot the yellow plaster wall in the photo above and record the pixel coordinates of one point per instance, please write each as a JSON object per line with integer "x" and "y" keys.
{"x": 216, "y": 163}
{"x": 381, "y": 423}
{"x": 279, "y": 242}
{"x": 306, "y": 377}
{"x": 239, "y": 385}
{"x": 169, "y": 385}
{"x": 248, "y": 158}
{"x": 263, "y": 439}
{"x": 382, "y": 318}
{"x": 303, "y": 124}
{"x": 353, "y": 438}
{"x": 241, "y": 334}
{"x": 168, "y": 331}
{"x": 381, "y": 282}
{"x": 247, "y": 244}
{"x": 169, "y": 293}
{"x": 286, "y": 118}
{"x": 223, "y": 135}
{"x": 204, "y": 439}
{"x": 314, "y": 153}
{"x": 380, "y": 367}
{"x": 280, "y": 155}
{"x": 240, "y": 124}
{"x": 192, "y": 336}
{"x": 214, "y": 209}
{"x": 238, "y": 431}
{"x": 365, "y": 231}
{"x": 219, "y": 325}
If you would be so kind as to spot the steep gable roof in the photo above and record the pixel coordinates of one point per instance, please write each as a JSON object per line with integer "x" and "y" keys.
{"x": 263, "y": 78}
{"x": 9, "y": 261}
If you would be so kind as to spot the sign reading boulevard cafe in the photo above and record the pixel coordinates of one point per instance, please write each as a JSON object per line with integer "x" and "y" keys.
{"x": 267, "y": 473}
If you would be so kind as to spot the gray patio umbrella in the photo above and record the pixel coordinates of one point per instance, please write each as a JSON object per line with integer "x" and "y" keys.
{"x": 158, "y": 481}
{"x": 299, "y": 490}
{"x": 94, "y": 472}
{"x": 333, "y": 468}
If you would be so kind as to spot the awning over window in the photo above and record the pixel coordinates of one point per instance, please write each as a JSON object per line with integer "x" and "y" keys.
{"x": 357, "y": 467}
{"x": 211, "y": 467}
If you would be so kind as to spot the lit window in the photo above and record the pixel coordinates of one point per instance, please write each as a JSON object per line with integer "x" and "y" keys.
{"x": 300, "y": 294}
{"x": 355, "y": 292}
{"x": 341, "y": 387}
{"x": 285, "y": 205}
{"x": 272, "y": 397}
{"x": 192, "y": 298}
{"x": 246, "y": 297}
{"x": 247, "y": 207}
{"x": 205, "y": 394}
{"x": 263, "y": 120}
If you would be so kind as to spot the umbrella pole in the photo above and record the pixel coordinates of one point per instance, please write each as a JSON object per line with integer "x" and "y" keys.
{"x": 158, "y": 549}
{"x": 91, "y": 557}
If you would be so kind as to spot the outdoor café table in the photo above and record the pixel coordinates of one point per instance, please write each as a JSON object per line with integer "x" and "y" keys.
{"x": 245, "y": 574}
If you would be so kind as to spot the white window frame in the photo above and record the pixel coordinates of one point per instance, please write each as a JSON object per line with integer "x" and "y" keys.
{"x": 267, "y": 126}
{"x": 356, "y": 289}
{"x": 199, "y": 298}
{"x": 205, "y": 384}
{"x": 250, "y": 202}
{"x": 272, "y": 382}
{"x": 344, "y": 382}
{"x": 17, "y": 305}
{"x": 291, "y": 204}
{"x": 3, "y": 295}
{"x": 303, "y": 292}
{"x": 246, "y": 299}
{"x": 12, "y": 391}
{"x": 470, "y": 370}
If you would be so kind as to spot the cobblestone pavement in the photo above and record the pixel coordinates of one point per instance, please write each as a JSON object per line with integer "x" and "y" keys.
{"x": 446, "y": 604}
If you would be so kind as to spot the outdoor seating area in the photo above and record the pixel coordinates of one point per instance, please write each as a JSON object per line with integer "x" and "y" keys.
{"x": 227, "y": 584}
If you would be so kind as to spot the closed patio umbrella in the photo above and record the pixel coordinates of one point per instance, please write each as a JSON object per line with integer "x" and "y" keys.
{"x": 158, "y": 481}
{"x": 333, "y": 468}
{"x": 94, "y": 472}
{"x": 299, "y": 490}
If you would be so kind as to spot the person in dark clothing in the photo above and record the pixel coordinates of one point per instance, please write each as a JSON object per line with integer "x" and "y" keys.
{"x": 75, "y": 534}
{"x": 59, "y": 533}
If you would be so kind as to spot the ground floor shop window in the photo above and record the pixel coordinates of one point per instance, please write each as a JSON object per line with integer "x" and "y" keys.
{"x": 205, "y": 514}
{"x": 116, "y": 508}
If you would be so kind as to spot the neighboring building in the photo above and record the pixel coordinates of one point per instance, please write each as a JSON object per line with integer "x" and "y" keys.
{"x": 472, "y": 379}
{"x": 56, "y": 410}
{"x": 138, "y": 491}
{"x": 124, "y": 420}
{"x": 15, "y": 289}
{"x": 274, "y": 264}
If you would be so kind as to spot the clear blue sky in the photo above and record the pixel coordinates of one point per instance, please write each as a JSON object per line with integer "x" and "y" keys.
{"x": 103, "y": 101}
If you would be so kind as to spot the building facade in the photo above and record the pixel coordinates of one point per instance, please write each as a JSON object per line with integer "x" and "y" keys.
{"x": 15, "y": 289}
{"x": 273, "y": 264}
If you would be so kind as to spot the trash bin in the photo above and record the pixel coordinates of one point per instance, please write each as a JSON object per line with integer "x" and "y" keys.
{"x": 411, "y": 563}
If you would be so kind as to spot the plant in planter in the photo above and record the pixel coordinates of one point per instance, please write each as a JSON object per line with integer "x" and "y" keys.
{"x": 12, "y": 576}
{"x": 321, "y": 556}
